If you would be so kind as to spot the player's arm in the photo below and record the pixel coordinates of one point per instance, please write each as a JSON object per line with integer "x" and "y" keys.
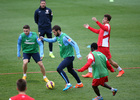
{"x": 36, "y": 17}
{"x": 104, "y": 27}
{"x": 90, "y": 60}
{"x": 109, "y": 66}
{"x": 51, "y": 40}
{"x": 40, "y": 46}
{"x": 19, "y": 46}
{"x": 51, "y": 15}
{"x": 67, "y": 40}
{"x": 91, "y": 29}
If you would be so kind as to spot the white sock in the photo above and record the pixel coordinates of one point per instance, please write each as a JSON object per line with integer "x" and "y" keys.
{"x": 50, "y": 51}
{"x": 79, "y": 83}
{"x": 119, "y": 68}
{"x": 112, "y": 89}
{"x": 24, "y": 75}
{"x": 68, "y": 83}
{"x": 90, "y": 69}
{"x": 44, "y": 77}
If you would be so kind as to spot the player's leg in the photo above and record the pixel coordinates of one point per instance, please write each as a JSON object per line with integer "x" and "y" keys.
{"x": 38, "y": 60}
{"x": 95, "y": 84}
{"x": 60, "y": 68}
{"x": 114, "y": 91}
{"x": 42, "y": 34}
{"x": 114, "y": 64}
{"x": 89, "y": 74}
{"x": 97, "y": 91}
{"x": 73, "y": 73}
{"x": 49, "y": 35}
{"x": 26, "y": 59}
{"x": 106, "y": 52}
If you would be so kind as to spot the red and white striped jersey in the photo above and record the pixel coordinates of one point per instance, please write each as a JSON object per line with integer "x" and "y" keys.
{"x": 104, "y": 34}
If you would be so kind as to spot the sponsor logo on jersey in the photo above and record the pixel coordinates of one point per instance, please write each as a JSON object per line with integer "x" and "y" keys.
{"x": 59, "y": 43}
{"x": 28, "y": 42}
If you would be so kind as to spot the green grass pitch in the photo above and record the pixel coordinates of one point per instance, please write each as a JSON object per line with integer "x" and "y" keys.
{"x": 71, "y": 15}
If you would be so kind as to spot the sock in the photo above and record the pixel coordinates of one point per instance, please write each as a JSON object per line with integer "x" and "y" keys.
{"x": 79, "y": 83}
{"x": 119, "y": 68}
{"x": 90, "y": 69}
{"x": 112, "y": 89}
{"x": 24, "y": 75}
{"x": 68, "y": 83}
{"x": 44, "y": 77}
{"x": 50, "y": 51}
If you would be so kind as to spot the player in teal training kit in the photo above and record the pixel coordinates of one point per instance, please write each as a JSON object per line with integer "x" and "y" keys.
{"x": 66, "y": 45}
{"x": 100, "y": 64}
{"x": 29, "y": 42}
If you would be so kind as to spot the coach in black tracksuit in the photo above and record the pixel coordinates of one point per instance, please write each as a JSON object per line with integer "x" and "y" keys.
{"x": 43, "y": 18}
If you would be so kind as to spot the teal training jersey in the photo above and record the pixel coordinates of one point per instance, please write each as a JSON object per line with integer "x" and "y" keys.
{"x": 99, "y": 67}
{"x": 65, "y": 51}
{"x": 29, "y": 44}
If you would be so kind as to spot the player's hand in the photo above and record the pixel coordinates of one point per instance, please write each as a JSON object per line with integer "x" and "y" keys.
{"x": 75, "y": 69}
{"x": 41, "y": 37}
{"x": 41, "y": 58}
{"x": 94, "y": 19}
{"x": 80, "y": 58}
{"x": 86, "y": 25}
{"x": 19, "y": 57}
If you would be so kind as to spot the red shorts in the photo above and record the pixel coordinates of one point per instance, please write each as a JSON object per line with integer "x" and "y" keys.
{"x": 101, "y": 81}
{"x": 105, "y": 51}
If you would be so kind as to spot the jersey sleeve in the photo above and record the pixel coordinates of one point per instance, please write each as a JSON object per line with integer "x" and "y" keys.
{"x": 90, "y": 60}
{"x": 93, "y": 30}
{"x": 50, "y": 39}
{"x": 51, "y": 15}
{"x": 67, "y": 40}
{"x": 109, "y": 66}
{"x": 36, "y": 16}
{"x": 40, "y": 46}
{"x": 19, "y": 46}
{"x": 104, "y": 27}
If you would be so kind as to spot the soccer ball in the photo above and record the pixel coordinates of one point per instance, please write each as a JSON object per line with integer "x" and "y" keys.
{"x": 50, "y": 85}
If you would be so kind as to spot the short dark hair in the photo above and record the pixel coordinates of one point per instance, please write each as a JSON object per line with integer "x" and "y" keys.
{"x": 21, "y": 85}
{"x": 108, "y": 17}
{"x": 56, "y": 28}
{"x": 94, "y": 45}
{"x": 26, "y": 27}
{"x": 42, "y": 0}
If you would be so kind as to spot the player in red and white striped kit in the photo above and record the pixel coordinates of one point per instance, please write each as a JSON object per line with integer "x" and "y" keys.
{"x": 103, "y": 42}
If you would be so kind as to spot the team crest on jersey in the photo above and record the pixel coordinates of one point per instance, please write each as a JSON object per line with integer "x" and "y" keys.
{"x": 69, "y": 40}
{"x": 47, "y": 12}
{"x": 39, "y": 11}
{"x": 38, "y": 39}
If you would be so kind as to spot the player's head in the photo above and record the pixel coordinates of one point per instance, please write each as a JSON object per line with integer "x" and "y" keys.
{"x": 42, "y": 3}
{"x": 26, "y": 29}
{"x": 21, "y": 85}
{"x": 94, "y": 46}
{"x": 106, "y": 19}
{"x": 56, "y": 30}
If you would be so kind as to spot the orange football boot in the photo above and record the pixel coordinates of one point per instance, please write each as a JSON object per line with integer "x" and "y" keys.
{"x": 88, "y": 75}
{"x": 78, "y": 85}
{"x": 120, "y": 73}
